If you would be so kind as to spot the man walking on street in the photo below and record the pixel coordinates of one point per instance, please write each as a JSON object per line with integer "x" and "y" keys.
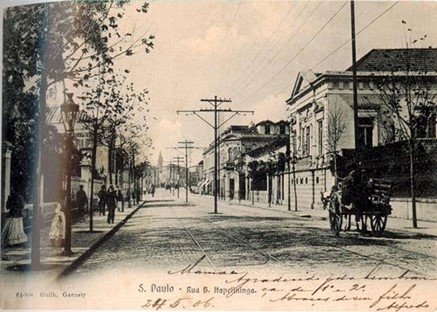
{"x": 111, "y": 202}
{"x": 102, "y": 200}
{"x": 81, "y": 200}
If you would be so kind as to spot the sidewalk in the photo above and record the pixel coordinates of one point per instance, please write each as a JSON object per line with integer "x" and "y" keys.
{"x": 318, "y": 213}
{"x": 83, "y": 242}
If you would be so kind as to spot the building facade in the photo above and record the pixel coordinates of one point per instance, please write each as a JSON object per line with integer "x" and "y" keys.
{"x": 322, "y": 118}
{"x": 234, "y": 145}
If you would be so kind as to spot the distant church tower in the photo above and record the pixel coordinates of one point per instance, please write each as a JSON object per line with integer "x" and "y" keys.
{"x": 159, "y": 168}
{"x": 160, "y": 161}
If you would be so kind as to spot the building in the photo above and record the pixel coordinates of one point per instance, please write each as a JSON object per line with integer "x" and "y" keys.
{"x": 322, "y": 113}
{"x": 265, "y": 169}
{"x": 234, "y": 143}
{"x": 195, "y": 174}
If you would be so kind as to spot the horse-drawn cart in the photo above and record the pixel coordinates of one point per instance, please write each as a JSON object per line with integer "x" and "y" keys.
{"x": 374, "y": 206}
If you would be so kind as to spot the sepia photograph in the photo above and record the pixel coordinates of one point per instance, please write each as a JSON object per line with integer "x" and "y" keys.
{"x": 218, "y": 155}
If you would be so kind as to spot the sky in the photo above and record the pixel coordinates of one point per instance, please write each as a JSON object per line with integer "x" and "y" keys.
{"x": 251, "y": 52}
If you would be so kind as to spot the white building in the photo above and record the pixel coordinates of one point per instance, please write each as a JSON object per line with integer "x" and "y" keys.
{"x": 322, "y": 103}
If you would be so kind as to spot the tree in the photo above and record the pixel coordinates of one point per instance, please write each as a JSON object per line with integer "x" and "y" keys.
{"x": 337, "y": 127}
{"x": 44, "y": 46}
{"x": 407, "y": 93}
{"x": 109, "y": 111}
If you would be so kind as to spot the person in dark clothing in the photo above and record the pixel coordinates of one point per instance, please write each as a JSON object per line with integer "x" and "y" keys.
{"x": 81, "y": 200}
{"x": 354, "y": 191}
{"x": 102, "y": 200}
{"x": 128, "y": 196}
{"x": 119, "y": 200}
{"x": 138, "y": 195}
{"x": 13, "y": 230}
{"x": 111, "y": 202}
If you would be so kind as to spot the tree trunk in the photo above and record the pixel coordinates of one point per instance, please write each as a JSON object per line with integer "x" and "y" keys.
{"x": 294, "y": 187}
{"x": 413, "y": 182}
{"x": 38, "y": 177}
{"x": 93, "y": 169}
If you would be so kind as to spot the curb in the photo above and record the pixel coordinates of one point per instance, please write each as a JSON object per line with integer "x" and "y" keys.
{"x": 78, "y": 261}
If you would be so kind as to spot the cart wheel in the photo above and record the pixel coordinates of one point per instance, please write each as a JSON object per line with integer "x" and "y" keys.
{"x": 335, "y": 218}
{"x": 378, "y": 223}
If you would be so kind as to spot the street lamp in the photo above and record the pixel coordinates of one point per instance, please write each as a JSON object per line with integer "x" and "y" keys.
{"x": 69, "y": 112}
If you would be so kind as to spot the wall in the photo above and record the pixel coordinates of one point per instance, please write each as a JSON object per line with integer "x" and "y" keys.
{"x": 426, "y": 209}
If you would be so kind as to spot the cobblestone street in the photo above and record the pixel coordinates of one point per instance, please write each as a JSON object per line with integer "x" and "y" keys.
{"x": 167, "y": 234}
{"x": 166, "y": 253}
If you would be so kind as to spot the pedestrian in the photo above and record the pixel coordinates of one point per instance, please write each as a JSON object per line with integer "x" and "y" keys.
{"x": 81, "y": 200}
{"x": 57, "y": 228}
{"x": 111, "y": 202}
{"x": 152, "y": 190}
{"x": 13, "y": 230}
{"x": 128, "y": 196}
{"x": 119, "y": 200}
{"x": 102, "y": 200}
{"x": 138, "y": 194}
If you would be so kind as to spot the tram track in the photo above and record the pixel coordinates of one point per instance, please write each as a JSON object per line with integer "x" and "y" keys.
{"x": 250, "y": 240}
{"x": 383, "y": 259}
{"x": 216, "y": 243}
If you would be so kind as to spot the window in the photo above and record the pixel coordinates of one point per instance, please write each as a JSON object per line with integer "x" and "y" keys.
{"x": 307, "y": 140}
{"x": 426, "y": 126}
{"x": 267, "y": 129}
{"x": 302, "y": 140}
{"x": 293, "y": 142}
{"x": 282, "y": 129}
{"x": 365, "y": 132}
{"x": 320, "y": 137}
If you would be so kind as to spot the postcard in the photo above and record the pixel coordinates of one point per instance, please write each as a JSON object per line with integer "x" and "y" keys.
{"x": 219, "y": 155}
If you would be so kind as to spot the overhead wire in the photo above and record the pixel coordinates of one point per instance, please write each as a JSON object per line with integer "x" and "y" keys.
{"x": 217, "y": 53}
{"x": 249, "y": 66}
{"x": 349, "y": 40}
{"x": 298, "y": 53}
{"x": 278, "y": 53}
{"x": 360, "y": 31}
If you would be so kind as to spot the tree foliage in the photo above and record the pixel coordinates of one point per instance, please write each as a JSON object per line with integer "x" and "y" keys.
{"x": 407, "y": 92}
{"x": 62, "y": 43}
{"x": 337, "y": 128}
{"x": 408, "y": 99}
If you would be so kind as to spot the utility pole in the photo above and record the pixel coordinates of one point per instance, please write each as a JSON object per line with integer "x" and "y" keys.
{"x": 215, "y": 102}
{"x": 186, "y": 147}
{"x": 354, "y": 75}
{"x": 177, "y": 158}
{"x": 186, "y": 166}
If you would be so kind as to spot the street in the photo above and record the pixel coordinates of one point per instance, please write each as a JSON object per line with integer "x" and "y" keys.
{"x": 165, "y": 233}
{"x": 171, "y": 250}
{"x": 169, "y": 254}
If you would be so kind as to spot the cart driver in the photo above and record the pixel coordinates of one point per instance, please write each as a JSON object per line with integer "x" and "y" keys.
{"x": 354, "y": 190}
